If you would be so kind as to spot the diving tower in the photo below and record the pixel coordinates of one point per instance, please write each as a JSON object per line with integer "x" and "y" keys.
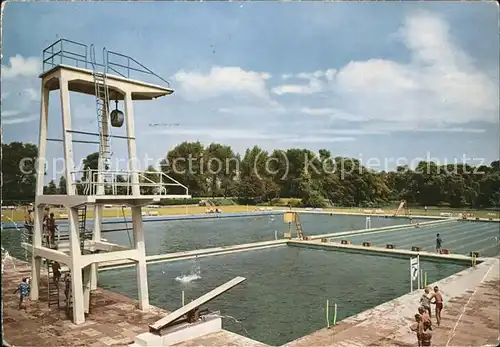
{"x": 70, "y": 66}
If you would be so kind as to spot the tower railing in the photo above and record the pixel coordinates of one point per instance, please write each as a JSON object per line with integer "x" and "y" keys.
{"x": 119, "y": 182}
{"x": 77, "y": 54}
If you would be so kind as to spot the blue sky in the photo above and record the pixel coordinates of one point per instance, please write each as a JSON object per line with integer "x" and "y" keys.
{"x": 381, "y": 80}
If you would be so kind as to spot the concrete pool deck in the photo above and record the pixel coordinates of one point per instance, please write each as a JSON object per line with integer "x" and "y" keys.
{"x": 114, "y": 319}
{"x": 380, "y": 251}
{"x": 471, "y": 315}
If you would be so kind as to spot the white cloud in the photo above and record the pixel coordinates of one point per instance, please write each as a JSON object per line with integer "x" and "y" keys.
{"x": 222, "y": 81}
{"x": 27, "y": 119}
{"x": 20, "y": 77}
{"x": 319, "y": 139}
{"x": 31, "y": 94}
{"x": 224, "y": 134}
{"x": 352, "y": 132}
{"x": 4, "y": 95}
{"x": 440, "y": 85}
{"x": 315, "y": 84}
{"x": 332, "y": 113}
{"x": 10, "y": 113}
{"x": 250, "y": 111}
{"x": 216, "y": 133}
{"x": 21, "y": 67}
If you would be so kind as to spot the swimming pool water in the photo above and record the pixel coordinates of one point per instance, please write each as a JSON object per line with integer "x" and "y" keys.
{"x": 286, "y": 289}
{"x": 183, "y": 235}
{"x": 460, "y": 237}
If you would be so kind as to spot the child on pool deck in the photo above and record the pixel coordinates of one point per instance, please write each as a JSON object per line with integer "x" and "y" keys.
{"x": 24, "y": 290}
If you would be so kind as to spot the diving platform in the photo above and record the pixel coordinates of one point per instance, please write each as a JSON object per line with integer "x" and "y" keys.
{"x": 82, "y": 81}
{"x": 70, "y": 66}
{"x": 188, "y": 322}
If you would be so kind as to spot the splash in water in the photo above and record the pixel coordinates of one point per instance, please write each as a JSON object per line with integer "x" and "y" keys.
{"x": 193, "y": 275}
{"x": 6, "y": 257}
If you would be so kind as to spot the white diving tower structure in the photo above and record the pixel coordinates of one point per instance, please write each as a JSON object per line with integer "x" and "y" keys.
{"x": 70, "y": 66}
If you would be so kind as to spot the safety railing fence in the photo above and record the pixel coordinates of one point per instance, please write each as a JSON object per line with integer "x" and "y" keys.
{"x": 119, "y": 182}
{"x": 67, "y": 52}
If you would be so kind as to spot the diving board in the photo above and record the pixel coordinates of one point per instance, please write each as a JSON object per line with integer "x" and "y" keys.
{"x": 193, "y": 306}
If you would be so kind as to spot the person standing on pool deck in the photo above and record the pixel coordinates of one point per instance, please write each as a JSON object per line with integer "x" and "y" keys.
{"x": 439, "y": 243}
{"x": 24, "y": 290}
{"x": 425, "y": 301}
{"x": 426, "y": 319}
{"x": 438, "y": 301}
{"x": 418, "y": 328}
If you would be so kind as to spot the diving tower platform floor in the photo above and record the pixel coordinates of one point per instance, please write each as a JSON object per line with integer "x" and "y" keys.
{"x": 82, "y": 81}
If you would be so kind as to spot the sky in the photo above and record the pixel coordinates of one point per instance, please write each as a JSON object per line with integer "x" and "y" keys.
{"x": 392, "y": 81}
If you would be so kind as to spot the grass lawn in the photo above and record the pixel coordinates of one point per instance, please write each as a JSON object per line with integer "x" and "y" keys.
{"x": 18, "y": 215}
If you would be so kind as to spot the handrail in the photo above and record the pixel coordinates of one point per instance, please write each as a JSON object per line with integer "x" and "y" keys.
{"x": 131, "y": 68}
{"x": 60, "y": 49}
{"x": 50, "y": 51}
{"x": 91, "y": 182}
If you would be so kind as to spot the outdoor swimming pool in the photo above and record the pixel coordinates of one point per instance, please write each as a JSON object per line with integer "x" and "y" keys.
{"x": 286, "y": 290}
{"x": 184, "y": 235}
{"x": 460, "y": 237}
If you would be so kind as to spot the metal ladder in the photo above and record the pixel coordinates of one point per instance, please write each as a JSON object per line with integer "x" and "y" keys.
{"x": 69, "y": 296}
{"x": 52, "y": 287}
{"x": 298, "y": 227}
{"x": 102, "y": 109}
{"x": 82, "y": 221}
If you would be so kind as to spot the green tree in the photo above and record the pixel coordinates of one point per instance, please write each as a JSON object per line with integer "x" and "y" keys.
{"x": 50, "y": 189}
{"x": 62, "y": 186}
{"x": 184, "y": 163}
{"x": 18, "y": 171}
{"x": 221, "y": 165}
{"x": 148, "y": 180}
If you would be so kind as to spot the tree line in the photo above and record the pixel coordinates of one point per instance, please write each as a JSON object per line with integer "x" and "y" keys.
{"x": 258, "y": 176}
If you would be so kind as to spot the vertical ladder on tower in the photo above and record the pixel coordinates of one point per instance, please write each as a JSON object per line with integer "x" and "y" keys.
{"x": 298, "y": 227}
{"x": 52, "y": 286}
{"x": 82, "y": 226}
{"x": 102, "y": 107}
{"x": 102, "y": 110}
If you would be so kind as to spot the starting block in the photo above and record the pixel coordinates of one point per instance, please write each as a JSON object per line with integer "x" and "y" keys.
{"x": 345, "y": 242}
{"x": 389, "y": 246}
{"x": 416, "y": 249}
{"x": 445, "y": 251}
{"x": 367, "y": 244}
{"x": 324, "y": 240}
